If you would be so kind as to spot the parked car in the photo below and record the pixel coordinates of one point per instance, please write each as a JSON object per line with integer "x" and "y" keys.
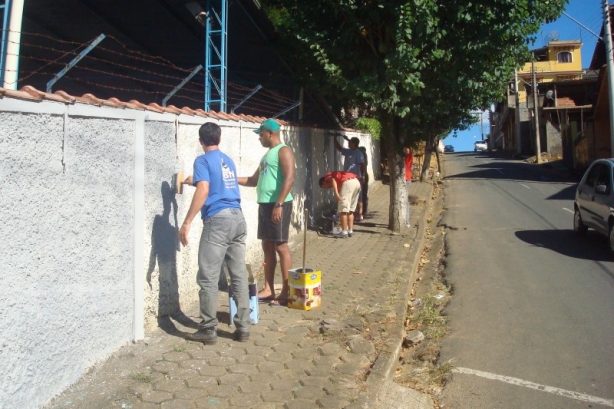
{"x": 448, "y": 148}
{"x": 594, "y": 201}
{"x": 480, "y": 146}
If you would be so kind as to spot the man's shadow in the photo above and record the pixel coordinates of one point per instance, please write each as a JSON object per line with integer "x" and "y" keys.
{"x": 164, "y": 248}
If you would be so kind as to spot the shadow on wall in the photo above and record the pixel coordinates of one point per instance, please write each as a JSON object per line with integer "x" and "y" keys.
{"x": 164, "y": 248}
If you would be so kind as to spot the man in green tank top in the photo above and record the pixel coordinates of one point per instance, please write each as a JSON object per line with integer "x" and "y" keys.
{"x": 273, "y": 180}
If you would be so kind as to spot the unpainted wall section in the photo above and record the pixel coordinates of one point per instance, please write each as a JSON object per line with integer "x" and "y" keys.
{"x": 66, "y": 283}
{"x": 69, "y": 221}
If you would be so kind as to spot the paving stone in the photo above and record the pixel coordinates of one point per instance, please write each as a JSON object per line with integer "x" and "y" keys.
{"x": 156, "y": 396}
{"x": 270, "y": 367}
{"x": 332, "y": 402}
{"x": 314, "y": 381}
{"x": 266, "y": 342}
{"x": 297, "y": 330}
{"x": 232, "y": 351}
{"x": 287, "y": 348}
{"x": 242, "y": 369}
{"x": 304, "y": 353}
{"x": 212, "y": 402}
{"x": 265, "y": 405}
{"x": 356, "y": 359}
{"x": 359, "y": 345}
{"x": 280, "y": 357}
{"x": 277, "y": 396}
{"x": 347, "y": 389}
{"x": 201, "y": 382}
{"x": 309, "y": 343}
{"x": 327, "y": 361}
{"x": 245, "y": 400}
{"x": 165, "y": 366}
{"x": 176, "y": 356}
{"x": 292, "y": 373}
{"x": 213, "y": 370}
{"x": 178, "y": 404}
{"x": 140, "y": 405}
{"x": 169, "y": 385}
{"x": 258, "y": 351}
{"x": 223, "y": 391}
{"x": 284, "y": 384}
{"x": 222, "y": 361}
{"x": 254, "y": 387}
{"x": 195, "y": 364}
{"x": 139, "y": 388}
{"x": 203, "y": 354}
{"x": 300, "y": 404}
{"x": 250, "y": 359}
{"x": 233, "y": 379}
{"x": 293, "y": 339}
{"x": 191, "y": 394}
{"x": 308, "y": 392}
{"x": 318, "y": 371}
{"x": 332, "y": 349}
{"x": 182, "y": 373}
{"x": 350, "y": 369}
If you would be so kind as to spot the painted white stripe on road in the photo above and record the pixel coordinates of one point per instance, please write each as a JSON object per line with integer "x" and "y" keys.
{"x": 527, "y": 384}
{"x": 523, "y": 185}
{"x": 569, "y": 210}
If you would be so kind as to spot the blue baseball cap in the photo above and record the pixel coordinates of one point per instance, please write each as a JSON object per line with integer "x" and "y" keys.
{"x": 268, "y": 125}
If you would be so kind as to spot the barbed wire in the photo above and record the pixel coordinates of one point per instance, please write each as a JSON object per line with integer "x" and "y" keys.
{"x": 42, "y": 62}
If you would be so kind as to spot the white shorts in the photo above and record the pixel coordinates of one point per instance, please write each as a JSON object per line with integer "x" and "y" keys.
{"x": 349, "y": 196}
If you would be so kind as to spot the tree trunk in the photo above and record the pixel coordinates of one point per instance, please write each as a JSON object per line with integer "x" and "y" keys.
{"x": 391, "y": 135}
{"x": 427, "y": 160}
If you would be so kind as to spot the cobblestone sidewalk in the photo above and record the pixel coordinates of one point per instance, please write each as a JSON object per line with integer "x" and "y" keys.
{"x": 334, "y": 356}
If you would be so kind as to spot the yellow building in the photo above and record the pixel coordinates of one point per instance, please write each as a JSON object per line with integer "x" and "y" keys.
{"x": 557, "y": 61}
{"x": 557, "y": 65}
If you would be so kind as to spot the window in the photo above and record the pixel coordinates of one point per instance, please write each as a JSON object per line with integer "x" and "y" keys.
{"x": 564, "y": 56}
{"x": 594, "y": 175}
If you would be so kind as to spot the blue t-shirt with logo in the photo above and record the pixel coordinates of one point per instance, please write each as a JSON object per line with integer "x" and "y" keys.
{"x": 219, "y": 170}
{"x": 353, "y": 160}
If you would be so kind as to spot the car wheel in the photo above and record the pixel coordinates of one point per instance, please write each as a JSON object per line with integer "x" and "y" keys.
{"x": 580, "y": 229}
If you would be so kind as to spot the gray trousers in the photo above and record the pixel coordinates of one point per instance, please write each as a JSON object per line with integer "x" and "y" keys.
{"x": 223, "y": 239}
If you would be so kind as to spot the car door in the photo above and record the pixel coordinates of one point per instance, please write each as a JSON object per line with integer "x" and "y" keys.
{"x": 585, "y": 196}
{"x": 602, "y": 199}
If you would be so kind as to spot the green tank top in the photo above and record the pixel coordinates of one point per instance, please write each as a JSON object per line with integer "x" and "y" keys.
{"x": 271, "y": 177}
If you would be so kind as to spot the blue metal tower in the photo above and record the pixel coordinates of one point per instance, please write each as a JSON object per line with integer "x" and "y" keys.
{"x": 5, "y": 11}
{"x": 215, "y": 55}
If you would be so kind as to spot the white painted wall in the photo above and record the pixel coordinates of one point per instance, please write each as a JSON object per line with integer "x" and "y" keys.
{"x": 88, "y": 229}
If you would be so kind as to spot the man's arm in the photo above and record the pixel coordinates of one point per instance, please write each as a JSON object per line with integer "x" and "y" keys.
{"x": 250, "y": 181}
{"x": 198, "y": 201}
{"x": 333, "y": 182}
{"x": 287, "y": 162}
{"x": 337, "y": 144}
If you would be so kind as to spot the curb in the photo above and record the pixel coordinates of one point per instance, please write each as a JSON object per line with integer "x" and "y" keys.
{"x": 385, "y": 364}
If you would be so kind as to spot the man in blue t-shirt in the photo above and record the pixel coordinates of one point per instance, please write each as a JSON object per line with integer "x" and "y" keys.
{"x": 218, "y": 200}
{"x": 354, "y": 162}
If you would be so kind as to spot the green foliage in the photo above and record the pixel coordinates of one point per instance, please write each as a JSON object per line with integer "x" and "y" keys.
{"x": 370, "y": 125}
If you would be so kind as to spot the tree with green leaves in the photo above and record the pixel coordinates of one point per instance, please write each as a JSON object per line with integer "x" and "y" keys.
{"x": 422, "y": 66}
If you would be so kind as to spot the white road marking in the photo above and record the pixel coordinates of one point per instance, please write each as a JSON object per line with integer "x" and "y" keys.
{"x": 527, "y": 384}
{"x": 570, "y": 211}
{"x": 523, "y": 185}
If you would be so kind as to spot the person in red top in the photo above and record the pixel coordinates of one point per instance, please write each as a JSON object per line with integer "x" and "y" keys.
{"x": 346, "y": 187}
{"x": 409, "y": 162}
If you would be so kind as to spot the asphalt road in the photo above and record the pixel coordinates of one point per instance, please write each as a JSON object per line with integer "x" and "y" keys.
{"x": 532, "y": 316}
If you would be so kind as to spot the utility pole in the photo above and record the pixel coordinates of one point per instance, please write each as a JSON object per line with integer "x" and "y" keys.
{"x": 538, "y": 155}
{"x": 517, "y": 90}
{"x": 607, "y": 29}
{"x": 11, "y": 65}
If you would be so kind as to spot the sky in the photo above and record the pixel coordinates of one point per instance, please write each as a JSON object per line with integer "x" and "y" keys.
{"x": 587, "y": 12}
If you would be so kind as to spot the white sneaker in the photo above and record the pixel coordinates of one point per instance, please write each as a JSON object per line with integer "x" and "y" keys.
{"x": 342, "y": 235}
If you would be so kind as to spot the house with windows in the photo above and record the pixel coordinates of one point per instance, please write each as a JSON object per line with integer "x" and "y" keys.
{"x": 557, "y": 69}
